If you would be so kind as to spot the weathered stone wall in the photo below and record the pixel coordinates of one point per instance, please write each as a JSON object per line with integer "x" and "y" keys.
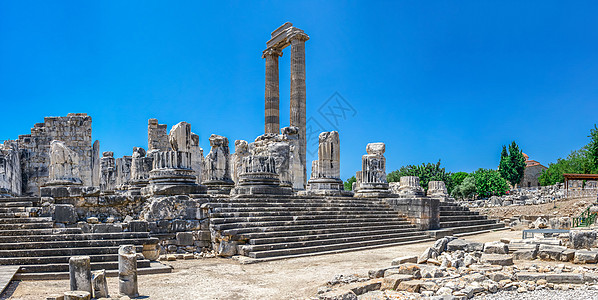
{"x": 74, "y": 130}
{"x": 157, "y": 136}
{"x": 10, "y": 169}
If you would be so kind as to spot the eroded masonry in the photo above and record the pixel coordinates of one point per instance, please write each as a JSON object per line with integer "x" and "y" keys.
{"x": 61, "y": 197}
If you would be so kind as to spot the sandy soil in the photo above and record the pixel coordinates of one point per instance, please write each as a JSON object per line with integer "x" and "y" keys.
{"x": 217, "y": 278}
{"x": 564, "y": 208}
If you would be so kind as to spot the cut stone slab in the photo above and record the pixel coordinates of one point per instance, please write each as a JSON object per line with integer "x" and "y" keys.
{"x": 338, "y": 295}
{"x": 575, "y": 278}
{"x": 567, "y": 255}
{"x": 392, "y": 282}
{"x": 77, "y": 295}
{"x": 403, "y": 260}
{"x": 582, "y": 239}
{"x": 496, "y": 248}
{"x": 360, "y": 288}
{"x": 530, "y": 276}
{"x": 547, "y": 252}
{"x": 497, "y": 259}
{"x": 411, "y": 286}
{"x": 525, "y": 254}
{"x": 585, "y": 257}
{"x": 455, "y": 245}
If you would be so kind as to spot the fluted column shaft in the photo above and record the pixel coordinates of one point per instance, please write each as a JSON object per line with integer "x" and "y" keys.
{"x": 272, "y": 96}
{"x": 298, "y": 91}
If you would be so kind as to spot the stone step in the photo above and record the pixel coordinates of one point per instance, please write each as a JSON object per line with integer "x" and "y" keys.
{"x": 73, "y": 237}
{"x": 77, "y": 243}
{"x": 321, "y": 242}
{"x": 17, "y": 226}
{"x": 11, "y": 215}
{"x": 12, "y": 209}
{"x": 283, "y": 237}
{"x": 326, "y": 222}
{"x": 21, "y": 199}
{"x": 107, "y": 265}
{"x": 459, "y": 213}
{"x": 332, "y": 247}
{"x": 40, "y": 231}
{"x": 299, "y": 217}
{"x": 59, "y": 259}
{"x": 462, "y": 218}
{"x": 277, "y": 205}
{"x": 452, "y": 207}
{"x": 317, "y": 201}
{"x": 289, "y": 213}
{"x": 466, "y": 223}
{"x": 340, "y": 230}
{"x": 155, "y": 268}
{"x": 21, "y": 253}
{"x": 475, "y": 228}
{"x": 24, "y": 220}
{"x": 296, "y": 210}
{"x": 237, "y": 231}
{"x": 16, "y": 204}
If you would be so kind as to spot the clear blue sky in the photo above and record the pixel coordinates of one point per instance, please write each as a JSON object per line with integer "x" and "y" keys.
{"x": 449, "y": 80}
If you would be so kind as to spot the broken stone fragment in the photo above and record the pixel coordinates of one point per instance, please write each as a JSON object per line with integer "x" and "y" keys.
{"x": 77, "y": 295}
{"x": 99, "y": 284}
{"x": 497, "y": 259}
{"x": 127, "y": 271}
{"x": 585, "y": 257}
{"x": 80, "y": 273}
{"x": 496, "y": 248}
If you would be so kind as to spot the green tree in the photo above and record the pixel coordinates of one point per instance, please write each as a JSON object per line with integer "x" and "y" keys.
{"x": 512, "y": 164}
{"x": 466, "y": 189}
{"x": 578, "y": 162}
{"x": 592, "y": 150}
{"x": 426, "y": 172}
{"x": 458, "y": 178}
{"x": 349, "y": 183}
{"x": 489, "y": 183}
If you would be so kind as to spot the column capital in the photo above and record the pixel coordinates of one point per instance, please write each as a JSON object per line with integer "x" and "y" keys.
{"x": 271, "y": 52}
{"x": 297, "y": 36}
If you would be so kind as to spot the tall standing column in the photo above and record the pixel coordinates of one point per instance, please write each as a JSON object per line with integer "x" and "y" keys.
{"x": 272, "y": 120}
{"x": 298, "y": 93}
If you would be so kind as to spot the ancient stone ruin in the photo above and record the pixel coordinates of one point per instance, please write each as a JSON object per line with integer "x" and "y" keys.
{"x": 170, "y": 201}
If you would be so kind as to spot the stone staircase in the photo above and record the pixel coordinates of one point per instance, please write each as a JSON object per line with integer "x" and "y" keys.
{"x": 461, "y": 220}
{"x": 43, "y": 252}
{"x": 283, "y": 227}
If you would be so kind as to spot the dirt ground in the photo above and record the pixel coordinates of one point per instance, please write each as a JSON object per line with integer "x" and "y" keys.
{"x": 218, "y": 278}
{"x": 564, "y": 208}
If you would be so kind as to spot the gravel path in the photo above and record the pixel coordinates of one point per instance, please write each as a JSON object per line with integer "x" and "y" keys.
{"x": 582, "y": 294}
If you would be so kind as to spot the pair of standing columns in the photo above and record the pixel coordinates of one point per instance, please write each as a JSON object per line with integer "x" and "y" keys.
{"x": 298, "y": 93}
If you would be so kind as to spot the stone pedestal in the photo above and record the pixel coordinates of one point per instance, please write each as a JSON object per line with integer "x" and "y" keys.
{"x": 80, "y": 273}
{"x": 172, "y": 175}
{"x": 258, "y": 177}
{"x": 127, "y": 271}
{"x": 217, "y": 175}
{"x": 325, "y": 172}
{"x": 423, "y": 212}
{"x": 371, "y": 180}
{"x": 437, "y": 189}
{"x": 410, "y": 187}
{"x": 140, "y": 170}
